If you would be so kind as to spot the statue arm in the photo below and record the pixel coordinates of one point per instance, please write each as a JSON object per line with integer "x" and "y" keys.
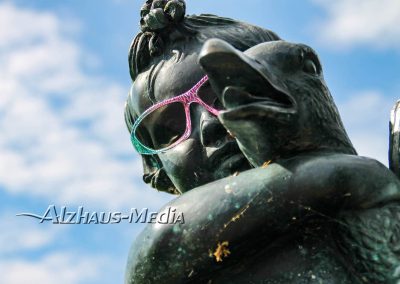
{"x": 225, "y": 210}
{"x": 257, "y": 204}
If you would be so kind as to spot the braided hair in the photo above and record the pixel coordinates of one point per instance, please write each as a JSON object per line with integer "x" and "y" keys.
{"x": 164, "y": 23}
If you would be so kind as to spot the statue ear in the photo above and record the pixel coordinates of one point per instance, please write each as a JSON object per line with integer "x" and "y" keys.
{"x": 155, "y": 175}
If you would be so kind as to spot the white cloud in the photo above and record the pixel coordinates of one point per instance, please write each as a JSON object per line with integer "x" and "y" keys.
{"x": 34, "y": 237}
{"x": 24, "y": 22}
{"x": 31, "y": 252}
{"x": 62, "y": 130}
{"x": 353, "y": 22}
{"x": 44, "y": 254}
{"x": 52, "y": 267}
{"x": 56, "y": 267}
{"x": 366, "y": 118}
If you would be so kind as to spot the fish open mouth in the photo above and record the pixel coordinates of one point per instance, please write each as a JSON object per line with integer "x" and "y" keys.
{"x": 241, "y": 80}
{"x": 265, "y": 94}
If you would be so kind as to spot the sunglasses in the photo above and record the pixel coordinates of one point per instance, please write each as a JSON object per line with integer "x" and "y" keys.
{"x": 169, "y": 121}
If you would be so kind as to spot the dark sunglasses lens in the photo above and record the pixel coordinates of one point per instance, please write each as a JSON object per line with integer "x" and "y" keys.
{"x": 162, "y": 127}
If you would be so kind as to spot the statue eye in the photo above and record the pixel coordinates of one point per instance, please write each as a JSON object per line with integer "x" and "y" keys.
{"x": 310, "y": 67}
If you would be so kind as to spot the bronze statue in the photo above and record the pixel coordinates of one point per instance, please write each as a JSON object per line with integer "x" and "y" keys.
{"x": 270, "y": 185}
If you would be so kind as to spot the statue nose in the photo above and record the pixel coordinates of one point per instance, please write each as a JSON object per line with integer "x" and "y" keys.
{"x": 212, "y": 132}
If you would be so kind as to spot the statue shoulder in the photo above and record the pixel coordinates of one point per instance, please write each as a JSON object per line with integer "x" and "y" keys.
{"x": 364, "y": 182}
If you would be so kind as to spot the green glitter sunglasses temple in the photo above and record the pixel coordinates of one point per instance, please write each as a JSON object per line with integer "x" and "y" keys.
{"x": 186, "y": 99}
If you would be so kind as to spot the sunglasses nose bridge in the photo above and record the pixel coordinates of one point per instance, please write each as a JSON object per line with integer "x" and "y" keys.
{"x": 194, "y": 98}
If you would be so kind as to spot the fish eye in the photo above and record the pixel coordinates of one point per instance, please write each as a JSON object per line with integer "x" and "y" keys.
{"x": 310, "y": 67}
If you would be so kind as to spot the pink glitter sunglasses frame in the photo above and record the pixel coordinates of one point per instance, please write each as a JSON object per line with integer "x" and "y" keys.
{"x": 186, "y": 99}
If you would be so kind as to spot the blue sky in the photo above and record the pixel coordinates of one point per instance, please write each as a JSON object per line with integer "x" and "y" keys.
{"x": 63, "y": 81}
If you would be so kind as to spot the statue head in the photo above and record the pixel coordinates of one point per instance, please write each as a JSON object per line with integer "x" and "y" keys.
{"x": 163, "y": 62}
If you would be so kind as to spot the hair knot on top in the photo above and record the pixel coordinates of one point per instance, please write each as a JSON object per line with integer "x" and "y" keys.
{"x": 158, "y": 15}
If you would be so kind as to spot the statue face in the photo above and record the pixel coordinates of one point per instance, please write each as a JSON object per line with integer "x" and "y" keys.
{"x": 209, "y": 153}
